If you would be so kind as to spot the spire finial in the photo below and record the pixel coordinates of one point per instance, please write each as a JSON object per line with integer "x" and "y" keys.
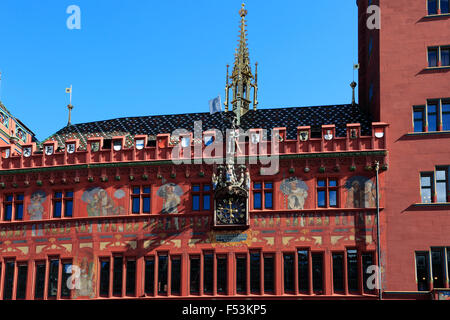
{"x": 69, "y": 106}
{"x": 243, "y": 11}
{"x": 353, "y": 86}
{"x": 242, "y": 79}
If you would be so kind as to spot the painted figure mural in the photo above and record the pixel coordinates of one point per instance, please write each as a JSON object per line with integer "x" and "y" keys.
{"x": 35, "y": 208}
{"x": 296, "y": 192}
{"x": 361, "y": 192}
{"x": 171, "y": 194}
{"x": 4, "y": 119}
{"x": 99, "y": 203}
{"x": 86, "y": 263}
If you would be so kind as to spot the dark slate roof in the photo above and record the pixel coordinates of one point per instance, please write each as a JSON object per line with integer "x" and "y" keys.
{"x": 291, "y": 118}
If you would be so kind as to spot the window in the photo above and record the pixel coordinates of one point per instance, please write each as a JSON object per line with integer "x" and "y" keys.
{"x": 448, "y": 262}
{"x": 13, "y": 206}
{"x": 140, "y": 199}
{"x": 150, "y": 276}
{"x": 422, "y": 271}
{"x": 445, "y": 57}
{"x": 419, "y": 119}
{"x": 317, "y": 269}
{"x": 426, "y": 187}
{"x": 338, "y": 272}
{"x": 262, "y": 194}
{"x": 438, "y": 267}
{"x": 441, "y": 184}
{"x": 445, "y": 7}
{"x": 175, "y": 285}
{"x": 433, "y": 57}
{"x": 438, "y": 273}
{"x": 162, "y": 274}
{"x": 446, "y": 115}
{"x": 289, "y": 274}
{"x": 352, "y": 270}
{"x": 131, "y": 277}
{"x": 117, "y": 275}
{"x": 63, "y": 202}
{"x": 18, "y": 207}
{"x": 201, "y": 197}
{"x": 303, "y": 271}
{"x": 433, "y": 117}
{"x": 66, "y": 274}
{"x": 371, "y": 92}
{"x": 255, "y": 272}
{"x": 432, "y": 7}
{"x": 367, "y": 261}
{"x": 241, "y": 274}
{"x": 438, "y": 7}
{"x": 8, "y": 283}
{"x": 208, "y": 273}
{"x": 194, "y": 275}
{"x": 269, "y": 274}
{"x": 327, "y": 193}
{"x": 53, "y": 272}
{"x": 104, "y": 277}
{"x": 222, "y": 274}
{"x": 39, "y": 285}
{"x": 439, "y": 56}
{"x": 8, "y": 208}
{"x": 434, "y": 186}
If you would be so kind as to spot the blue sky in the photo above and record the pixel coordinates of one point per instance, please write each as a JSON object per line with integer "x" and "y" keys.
{"x": 148, "y": 57}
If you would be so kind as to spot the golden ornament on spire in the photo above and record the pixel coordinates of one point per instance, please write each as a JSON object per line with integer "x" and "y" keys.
{"x": 241, "y": 77}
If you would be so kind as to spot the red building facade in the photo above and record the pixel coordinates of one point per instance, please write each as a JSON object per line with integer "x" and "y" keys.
{"x": 404, "y": 81}
{"x": 13, "y": 132}
{"x": 105, "y": 210}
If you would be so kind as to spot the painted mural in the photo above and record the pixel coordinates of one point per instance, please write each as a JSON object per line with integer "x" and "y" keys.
{"x": 361, "y": 192}
{"x": 171, "y": 194}
{"x": 295, "y": 193}
{"x": 99, "y": 203}
{"x": 4, "y": 119}
{"x": 87, "y": 277}
{"x": 35, "y": 207}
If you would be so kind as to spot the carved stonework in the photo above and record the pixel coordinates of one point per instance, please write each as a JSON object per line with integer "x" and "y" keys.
{"x": 231, "y": 184}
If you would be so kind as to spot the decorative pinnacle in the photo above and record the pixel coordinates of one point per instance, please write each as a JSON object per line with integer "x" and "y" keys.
{"x": 243, "y": 11}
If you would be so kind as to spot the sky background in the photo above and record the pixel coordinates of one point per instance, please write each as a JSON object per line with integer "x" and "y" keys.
{"x": 148, "y": 57}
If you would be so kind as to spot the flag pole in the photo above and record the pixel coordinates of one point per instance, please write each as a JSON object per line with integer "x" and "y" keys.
{"x": 70, "y": 107}
{"x": 379, "y": 280}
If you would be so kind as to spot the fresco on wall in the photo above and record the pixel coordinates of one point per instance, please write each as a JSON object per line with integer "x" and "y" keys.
{"x": 86, "y": 263}
{"x": 361, "y": 192}
{"x": 171, "y": 194}
{"x": 21, "y": 134}
{"x": 4, "y": 119}
{"x": 295, "y": 193}
{"x": 35, "y": 207}
{"x": 99, "y": 203}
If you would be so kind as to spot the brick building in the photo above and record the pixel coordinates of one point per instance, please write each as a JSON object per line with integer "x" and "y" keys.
{"x": 106, "y": 210}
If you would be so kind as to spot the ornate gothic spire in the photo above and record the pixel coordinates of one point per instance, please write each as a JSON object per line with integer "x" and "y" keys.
{"x": 241, "y": 77}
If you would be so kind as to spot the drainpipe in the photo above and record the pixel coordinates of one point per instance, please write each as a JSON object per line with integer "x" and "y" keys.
{"x": 380, "y": 293}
